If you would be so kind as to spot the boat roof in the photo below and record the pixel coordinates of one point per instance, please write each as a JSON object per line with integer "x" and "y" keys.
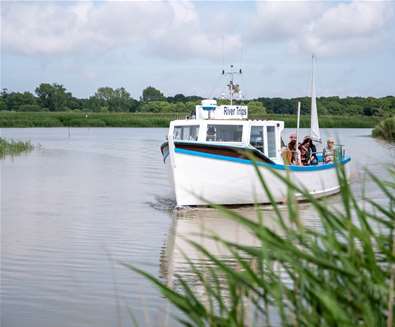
{"x": 227, "y": 122}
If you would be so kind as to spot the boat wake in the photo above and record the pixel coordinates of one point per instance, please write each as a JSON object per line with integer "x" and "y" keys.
{"x": 162, "y": 203}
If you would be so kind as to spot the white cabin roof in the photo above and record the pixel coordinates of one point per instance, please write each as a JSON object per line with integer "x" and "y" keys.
{"x": 209, "y": 109}
{"x": 189, "y": 122}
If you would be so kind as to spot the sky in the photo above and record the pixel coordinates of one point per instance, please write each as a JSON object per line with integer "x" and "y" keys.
{"x": 182, "y": 46}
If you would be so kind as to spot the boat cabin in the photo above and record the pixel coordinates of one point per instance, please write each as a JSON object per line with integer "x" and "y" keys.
{"x": 228, "y": 125}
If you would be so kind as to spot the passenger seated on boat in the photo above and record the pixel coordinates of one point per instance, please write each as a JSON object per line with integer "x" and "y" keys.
{"x": 304, "y": 152}
{"x": 329, "y": 152}
{"x": 286, "y": 152}
{"x": 292, "y": 137}
{"x": 311, "y": 155}
{"x": 289, "y": 153}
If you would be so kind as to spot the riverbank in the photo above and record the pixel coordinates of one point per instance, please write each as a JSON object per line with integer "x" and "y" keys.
{"x": 81, "y": 119}
{"x": 12, "y": 148}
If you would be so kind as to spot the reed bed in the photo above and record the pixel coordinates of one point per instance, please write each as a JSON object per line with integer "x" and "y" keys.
{"x": 81, "y": 119}
{"x": 385, "y": 129}
{"x": 342, "y": 274}
{"x": 13, "y": 148}
{"x": 325, "y": 121}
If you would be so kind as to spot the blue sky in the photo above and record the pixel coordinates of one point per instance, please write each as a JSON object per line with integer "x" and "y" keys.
{"x": 182, "y": 46}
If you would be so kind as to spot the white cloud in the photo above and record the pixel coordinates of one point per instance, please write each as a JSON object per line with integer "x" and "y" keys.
{"x": 324, "y": 28}
{"x": 52, "y": 28}
{"x": 281, "y": 20}
{"x": 184, "y": 36}
{"x": 178, "y": 30}
{"x": 167, "y": 29}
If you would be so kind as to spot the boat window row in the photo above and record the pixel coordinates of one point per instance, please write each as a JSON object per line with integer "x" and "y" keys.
{"x": 232, "y": 133}
{"x": 215, "y": 133}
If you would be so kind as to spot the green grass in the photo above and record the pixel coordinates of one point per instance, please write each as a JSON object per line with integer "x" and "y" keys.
{"x": 342, "y": 274}
{"x": 13, "y": 148}
{"x": 385, "y": 129}
{"x": 71, "y": 119}
{"x": 79, "y": 119}
{"x": 325, "y": 121}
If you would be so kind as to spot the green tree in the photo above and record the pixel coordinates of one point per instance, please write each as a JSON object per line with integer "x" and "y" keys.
{"x": 94, "y": 104}
{"x": 221, "y": 102}
{"x": 15, "y": 100}
{"x": 179, "y": 107}
{"x": 152, "y": 94}
{"x": 256, "y": 108}
{"x": 53, "y": 96}
{"x": 177, "y": 98}
{"x": 117, "y": 100}
{"x": 370, "y": 111}
{"x": 3, "y": 105}
{"x": 157, "y": 106}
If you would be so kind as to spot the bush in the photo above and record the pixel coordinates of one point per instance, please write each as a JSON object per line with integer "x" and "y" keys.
{"x": 30, "y": 107}
{"x": 385, "y": 129}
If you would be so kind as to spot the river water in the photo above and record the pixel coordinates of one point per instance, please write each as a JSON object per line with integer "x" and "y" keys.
{"x": 87, "y": 201}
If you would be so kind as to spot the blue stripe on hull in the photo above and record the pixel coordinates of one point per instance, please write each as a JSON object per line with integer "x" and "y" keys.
{"x": 261, "y": 164}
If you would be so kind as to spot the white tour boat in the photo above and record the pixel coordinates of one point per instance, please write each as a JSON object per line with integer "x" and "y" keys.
{"x": 208, "y": 158}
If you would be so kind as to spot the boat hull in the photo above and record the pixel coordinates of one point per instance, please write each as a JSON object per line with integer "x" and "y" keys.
{"x": 200, "y": 178}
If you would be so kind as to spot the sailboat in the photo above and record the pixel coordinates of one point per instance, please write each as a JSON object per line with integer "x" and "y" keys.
{"x": 208, "y": 158}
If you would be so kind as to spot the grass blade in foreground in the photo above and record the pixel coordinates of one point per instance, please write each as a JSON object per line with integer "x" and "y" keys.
{"x": 341, "y": 275}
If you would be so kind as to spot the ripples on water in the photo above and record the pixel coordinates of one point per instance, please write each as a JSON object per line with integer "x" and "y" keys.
{"x": 77, "y": 206}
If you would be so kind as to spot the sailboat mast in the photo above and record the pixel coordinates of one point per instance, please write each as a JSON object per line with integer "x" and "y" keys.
{"x": 314, "y": 125}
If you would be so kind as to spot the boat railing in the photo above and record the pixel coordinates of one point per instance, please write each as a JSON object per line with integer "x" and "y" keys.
{"x": 339, "y": 150}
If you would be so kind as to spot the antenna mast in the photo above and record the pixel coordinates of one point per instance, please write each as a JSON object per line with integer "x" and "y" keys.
{"x": 233, "y": 88}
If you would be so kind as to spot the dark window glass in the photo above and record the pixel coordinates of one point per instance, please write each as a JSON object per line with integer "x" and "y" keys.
{"x": 224, "y": 133}
{"x": 271, "y": 141}
{"x": 186, "y": 133}
{"x": 256, "y": 137}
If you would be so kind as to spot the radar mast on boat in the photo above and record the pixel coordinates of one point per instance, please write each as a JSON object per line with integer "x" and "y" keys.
{"x": 233, "y": 88}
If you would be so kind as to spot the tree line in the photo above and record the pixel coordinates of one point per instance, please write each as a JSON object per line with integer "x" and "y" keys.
{"x": 55, "y": 98}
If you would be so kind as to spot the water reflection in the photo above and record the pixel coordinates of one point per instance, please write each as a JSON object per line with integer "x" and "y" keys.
{"x": 198, "y": 225}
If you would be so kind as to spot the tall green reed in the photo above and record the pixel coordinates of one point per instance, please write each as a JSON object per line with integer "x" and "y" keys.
{"x": 340, "y": 275}
{"x": 12, "y": 148}
{"x": 385, "y": 129}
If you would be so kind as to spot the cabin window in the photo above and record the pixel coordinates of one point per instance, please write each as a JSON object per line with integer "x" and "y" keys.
{"x": 271, "y": 141}
{"x": 256, "y": 138}
{"x": 224, "y": 133}
{"x": 186, "y": 133}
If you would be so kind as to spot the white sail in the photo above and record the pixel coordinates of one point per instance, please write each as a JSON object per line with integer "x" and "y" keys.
{"x": 314, "y": 126}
